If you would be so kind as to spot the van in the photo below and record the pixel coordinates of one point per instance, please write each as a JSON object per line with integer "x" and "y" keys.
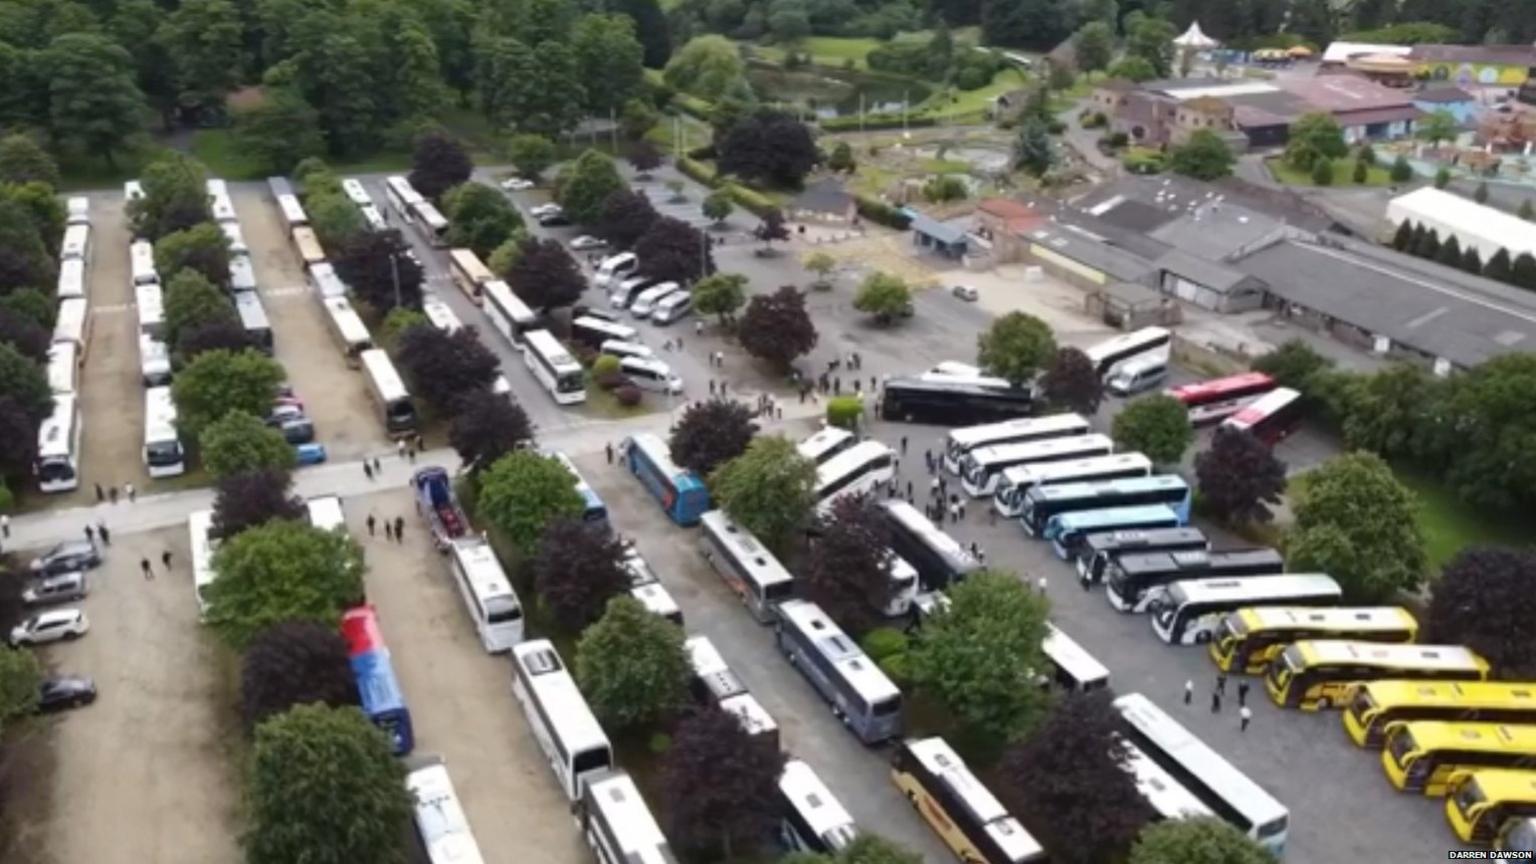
{"x": 58, "y": 588}
{"x": 645, "y": 303}
{"x": 651, "y": 374}
{"x": 154, "y": 361}
{"x": 627, "y": 291}
{"x": 1136, "y": 375}
{"x": 672, "y": 307}
{"x": 614, "y": 269}
{"x": 621, "y": 349}
{"x": 79, "y": 210}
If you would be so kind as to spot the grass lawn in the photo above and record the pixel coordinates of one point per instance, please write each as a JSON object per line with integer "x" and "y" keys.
{"x": 92, "y": 172}
{"x": 959, "y": 102}
{"x": 1343, "y": 173}
{"x": 1449, "y": 524}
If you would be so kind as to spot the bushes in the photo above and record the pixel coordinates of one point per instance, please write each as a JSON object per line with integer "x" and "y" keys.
{"x": 750, "y": 199}
{"x": 627, "y": 395}
{"x": 693, "y": 106}
{"x": 697, "y": 170}
{"x": 1142, "y": 161}
{"x": 852, "y": 123}
{"x": 881, "y": 213}
{"x": 845, "y": 411}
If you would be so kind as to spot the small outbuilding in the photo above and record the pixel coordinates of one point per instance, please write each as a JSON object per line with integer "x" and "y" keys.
{"x": 824, "y": 201}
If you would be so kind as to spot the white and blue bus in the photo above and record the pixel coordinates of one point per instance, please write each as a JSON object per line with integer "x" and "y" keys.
{"x": 751, "y": 570}
{"x": 593, "y": 511}
{"x": 810, "y": 818}
{"x": 554, "y": 367}
{"x": 860, "y": 694}
{"x": 568, "y": 733}
{"x": 1043, "y": 502}
{"x": 58, "y": 446}
{"x": 961, "y": 441}
{"x": 1016, "y": 482}
{"x": 440, "y": 820}
{"x": 982, "y": 468}
{"x": 682, "y": 495}
{"x": 1067, "y": 530}
{"x": 163, "y": 454}
{"x": 377, "y": 687}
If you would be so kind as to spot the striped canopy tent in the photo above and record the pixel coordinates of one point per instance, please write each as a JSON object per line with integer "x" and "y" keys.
{"x": 1195, "y": 39}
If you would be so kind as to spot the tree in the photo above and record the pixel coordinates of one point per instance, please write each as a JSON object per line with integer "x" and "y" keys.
{"x": 708, "y": 67}
{"x": 23, "y": 161}
{"x": 378, "y": 268}
{"x": 1197, "y": 840}
{"x": 645, "y": 158}
{"x": 1293, "y": 364}
{"x": 631, "y": 666}
{"x": 281, "y": 571}
{"x": 776, "y": 328}
{"x": 1402, "y": 172}
{"x": 637, "y": 118}
{"x": 1204, "y": 157}
{"x": 522, "y": 492}
{"x": 1133, "y": 69}
{"x": 721, "y": 782}
{"x": 1402, "y": 238}
{"x": 334, "y": 217}
{"x": 579, "y": 567}
{"x": 1072, "y": 771}
{"x": 771, "y": 228}
{"x": 1437, "y": 126}
{"x": 1361, "y": 171}
{"x": 718, "y": 206}
{"x": 1073, "y": 381}
{"x": 191, "y": 301}
{"x": 30, "y": 304}
{"x": 1480, "y": 194}
{"x": 1094, "y": 45}
{"x": 239, "y": 443}
{"x": 1442, "y": 177}
{"x": 671, "y": 250}
{"x": 217, "y": 335}
{"x": 711, "y": 434}
{"x": 24, "y": 260}
{"x": 1322, "y": 172}
{"x": 1313, "y": 137}
{"x": 1025, "y": 23}
{"x": 626, "y": 217}
{"x": 21, "y": 676}
{"x": 842, "y": 158}
{"x": 93, "y": 103}
{"x": 324, "y": 785}
{"x": 486, "y": 427}
{"x": 1523, "y": 273}
{"x": 608, "y": 60}
{"x": 769, "y": 490}
{"x": 980, "y": 657}
{"x": 768, "y": 147}
{"x": 1015, "y": 347}
{"x": 720, "y": 294}
{"x": 202, "y": 248}
{"x": 175, "y": 197}
{"x": 18, "y": 441}
{"x": 1239, "y": 477}
{"x": 438, "y": 164}
{"x": 253, "y": 498}
{"x": 849, "y": 569}
{"x": 1449, "y": 253}
{"x": 479, "y": 217}
{"x": 280, "y": 131}
{"x": 1157, "y": 425}
{"x": 294, "y": 663}
{"x": 442, "y": 367}
{"x": 532, "y": 154}
{"x": 884, "y": 296}
{"x": 1471, "y": 261}
{"x": 1355, "y": 522}
{"x": 1151, "y": 39}
{"x": 1033, "y": 150}
{"x": 44, "y": 207}
{"x": 945, "y": 187}
{"x": 1498, "y": 267}
{"x": 218, "y": 382}
{"x": 821, "y": 264}
{"x": 25, "y": 383}
{"x": 545, "y": 275}
{"x": 203, "y": 41}
{"x": 1490, "y": 465}
{"x": 25, "y": 335}
{"x": 585, "y": 184}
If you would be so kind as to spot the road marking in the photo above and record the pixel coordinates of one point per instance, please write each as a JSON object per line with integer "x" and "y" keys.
{"x": 287, "y": 292}
{"x": 111, "y": 308}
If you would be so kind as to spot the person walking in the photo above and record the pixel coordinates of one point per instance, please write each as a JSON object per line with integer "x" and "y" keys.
{"x": 928, "y": 460}
{"x": 149, "y": 570}
{"x": 133, "y": 493}
{"x": 112, "y": 493}
{"x": 698, "y": 326}
{"x": 909, "y": 490}
{"x": 101, "y": 494}
{"x": 165, "y": 559}
{"x": 608, "y": 448}
{"x": 106, "y": 536}
{"x": 399, "y": 529}
{"x": 1221, "y": 683}
{"x": 1244, "y": 717}
{"x": 389, "y": 530}
{"x": 954, "y": 513}
{"x": 377, "y": 469}
{"x": 367, "y": 469}
{"x": 90, "y": 534}
{"x": 1215, "y": 702}
{"x": 400, "y": 448}
{"x": 5, "y": 525}
{"x": 1189, "y": 691}
{"x": 371, "y": 523}
{"x": 1043, "y": 585}
{"x": 1242, "y": 694}
{"x": 903, "y": 445}
{"x": 410, "y": 453}
{"x": 933, "y": 488}
{"x": 961, "y": 505}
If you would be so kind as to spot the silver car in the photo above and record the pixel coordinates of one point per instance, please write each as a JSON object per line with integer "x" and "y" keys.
{"x": 55, "y": 589}
{"x": 50, "y": 626}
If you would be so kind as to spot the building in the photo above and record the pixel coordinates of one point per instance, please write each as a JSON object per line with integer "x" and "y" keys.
{"x": 1005, "y": 224}
{"x": 1367, "y": 111}
{"x": 1483, "y": 228}
{"x": 1453, "y": 100}
{"x": 1485, "y": 65}
{"x": 941, "y": 238}
{"x": 1338, "y": 54}
{"x": 824, "y": 201}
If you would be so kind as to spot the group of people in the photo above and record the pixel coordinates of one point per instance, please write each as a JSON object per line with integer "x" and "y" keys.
{"x": 1244, "y": 713}
{"x": 393, "y": 529}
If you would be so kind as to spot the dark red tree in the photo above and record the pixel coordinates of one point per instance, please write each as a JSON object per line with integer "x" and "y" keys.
{"x": 18, "y": 439}
{"x": 218, "y": 335}
{"x": 370, "y": 262}
{"x": 441, "y": 367}
{"x": 578, "y": 569}
{"x": 487, "y": 426}
{"x": 768, "y": 147}
{"x": 545, "y": 275}
{"x": 849, "y": 569}
{"x": 626, "y": 217}
{"x": 25, "y": 335}
{"x": 1073, "y": 382}
{"x": 674, "y": 251}
{"x": 644, "y": 156}
{"x": 776, "y": 328}
{"x": 1239, "y": 477}
{"x": 438, "y": 164}
{"x": 1484, "y": 600}
{"x": 711, "y": 434}
{"x": 294, "y": 663}
{"x": 721, "y": 783}
{"x": 771, "y": 229}
{"x": 253, "y": 498}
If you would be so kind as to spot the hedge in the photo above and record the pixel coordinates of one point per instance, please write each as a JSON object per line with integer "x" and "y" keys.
{"x": 882, "y": 213}
{"x": 697, "y": 170}
{"x": 693, "y": 105}
{"x": 750, "y": 199}
{"x": 845, "y": 411}
{"x": 877, "y": 121}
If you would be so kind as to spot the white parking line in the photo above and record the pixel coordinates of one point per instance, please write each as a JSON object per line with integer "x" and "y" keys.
{"x": 111, "y": 308}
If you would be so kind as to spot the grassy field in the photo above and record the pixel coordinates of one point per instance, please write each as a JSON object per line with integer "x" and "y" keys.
{"x": 92, "y": 172}
{"x": 955, "y": 103}
{"x": 1449, "y": 524}
{"x": 1343, "y": 173}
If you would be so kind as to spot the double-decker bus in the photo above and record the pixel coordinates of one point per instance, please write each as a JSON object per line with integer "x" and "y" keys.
{"x": 1377, "y": 703}
{"x": 1067, "y": 530}
{"x": 742, "y": 561}
{"x": 1270, "y": 417}
{"x": 469, "y": 273}
{"x": 58, "y": 446}
{"x": 1098, "y": 551}
{"x": 1188, "y": 612}
{"x": 394, "y": 401}
{"x": 163, "y": 455}
{"x": 1073, "y": 668}
{"x": 1423, "y": 755}
{"x": 200, "y": 534}
{"x": 938, "y": 558}
{"x": 1204, "y": 773}
{"x": 487, "y": 594}
{"x": 1016, "y": 482}
{"x": 863, "y": 467}
{"x": 1043, "y": 502}
{"x": 810, "y": 818}
{"x": 377, "y": 686}
{"x": 554, "y": 367}
{"x": 859, "y": 692}
{"x": 1248, "y": 639}
{"x": 982, "y": 468}
{"x": 1217, "y": 399}
{"x": 961, "y": 442}
{"x": 952, "y": 401}
{"x": 1480, "y": 801}
{"x": 826, "y": 444}
{"x": 1130, "y": 578}
{"x": 593, "y": 510}
{"x": 563, "y": 724}
{"x": 682, "y": 495}
{"x": 1316, "y": 674}
{"x": 617, "y": 824}
{"x": 440, "y": 820}
{"x": 508, "y": 313}
{"x": 1150, "y": 342}
{"x": 966, "y": 816}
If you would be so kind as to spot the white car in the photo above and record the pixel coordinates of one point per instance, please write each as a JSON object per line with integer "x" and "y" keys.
{"x": 516, "y": 184}
{"x": 50, "y": 626}
{"x": 587, "y": 241}
{"x": 549, "y": 209}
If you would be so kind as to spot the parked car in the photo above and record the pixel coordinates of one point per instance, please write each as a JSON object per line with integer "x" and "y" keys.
{"x": 297, "y": 430}
{"x": 67, "y": 556}
{"x": 516, "y": 184}
{"x": 283, "y": 413}
{"x": 554, "y": 220}
{"x": 65, "y": 691}
{"x": 587, "y": 242}
{"x": 50, "y": 626}
{"x": 55, "y": 589}
{"x": 965, "y": 292}
{"x": 310, "y": 453}
{"x": 548, "y": 209}
{"x": 288, "y": 400}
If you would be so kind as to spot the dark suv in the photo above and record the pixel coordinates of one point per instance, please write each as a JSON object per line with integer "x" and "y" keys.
{"x": 71, "y": 555}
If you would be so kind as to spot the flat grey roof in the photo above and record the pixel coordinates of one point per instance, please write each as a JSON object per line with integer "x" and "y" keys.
{"x": 1208, "y": 273}
{"x": 1435, "y": 309}
{"x": 1121, "y": 264}
{"x": 940, "y": 231}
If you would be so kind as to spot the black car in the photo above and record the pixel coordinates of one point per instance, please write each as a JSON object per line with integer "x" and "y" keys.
{"x": 69, "y": 556}
{"x": 57, "y": 694}
{"x": 554, "y": 220}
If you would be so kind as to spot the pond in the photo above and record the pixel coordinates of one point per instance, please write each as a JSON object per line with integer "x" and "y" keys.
{"x": 834, "y": 92}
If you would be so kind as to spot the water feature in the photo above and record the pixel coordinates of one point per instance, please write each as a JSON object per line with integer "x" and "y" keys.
{"x": 834, "y": 92}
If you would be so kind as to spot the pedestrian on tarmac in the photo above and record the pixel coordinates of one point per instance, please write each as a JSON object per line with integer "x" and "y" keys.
{"x": 608, "y": 448}
{"x": 165, "y": 558}
{"x": 400, "y": 448}
{"x": 389, "y": 530}
{"x": 698, "y": 327}
{"x": 903, "y": 445}
{"x": 1215, "y": 702}
{"x": 101, "y": 494}
{"x": 367, "y": 469}
{"x": 909, "y": 490}
{"x": 376, "y": 468}
{"x": 106, "y": 536}
{"x": 133, "y": 494}
{"x": 5, "y": 525}
{"x": 371, "y": 523}
{"x": 1242, "y": 694}
{"x": 1221, "y": 683}
{"x": 400, "y": 529}
{"x": 149, "y": 570}
{"x": 954, "y": 513}
{"x": 90, "y": 534}
{"x": 1244, "y": 717}
{"x": 112, "y": 493}
{"x": 1042, "y": 585}
{"x": 1189, "y": 692}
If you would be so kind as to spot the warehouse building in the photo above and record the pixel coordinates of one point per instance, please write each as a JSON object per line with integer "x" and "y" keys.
{"x": 1483, "y": 228}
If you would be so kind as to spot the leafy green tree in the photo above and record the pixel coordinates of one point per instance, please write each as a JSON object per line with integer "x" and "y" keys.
{"x": 637, "y": 118}
{"x": 884, "y": 296}
{"x": 720, "y": 294}
{"x": 280, "y": 131}
{"x": 203, "y": 248}
{"x": 175, "y": 197}
{"x": 1197, "y": 840}
{"x": 1480, "y": 194}
{"x": 1523, "y": 273}
{"x": 505, "y": 76}
{"x": 578, "y": 569}
{"x": 23, "y": 161}
{"x": 607, "y": 60}
{"x": 718, "y": 206}
{"x": 1133, "y": 69}
{"x": 191, "y": 301}
{"x": 711, "y": 434}
{"x": 1489, "y": 464}
{"x": 1151, "y": 39}
{"x": 1361, "y": 171}
{"x": 842, "y": 158}
{"x": 438, "y": 164}
{"x": 45, "y": 208}
{"x": 1499, "y": 267}
{"x": 24, "y": 260}
{"x": 93, "y": 102}
{"x": 874, "y": 849}
{"x": 585, "y": 184}
{"x": 1204, "y": 156}
{"x": 1313, "y": 137}
{"x": 1094, "y": 45}
{"x": 294, "y": 663}
{"x": 1436, "y": 127}
{"x": 1355, "y": 522}
{"x": 769, "y": 490}
{"x": 1527, "y": 210}
{"x": 1157, "y": 425}
{"x": 981, "y": 656}
{"x": 651, "y": 27}
{"x": 522, "y": 492}
{"x": 479, "y": 217}
{"x": 239, "y": 443}
{"x": 1293, "y": 364}
{"x": 819, "y": 263}
{"x": 417, "y": 81}
{"x": 20, "y": 677}
{"x": 332, "y": 72}
{"x": 334, "y": 217}
{"x": 532, "y": 154}
{"x": 30, "y": 304}
{"x": 1039, "y": 24}
{"x": 776, "y": 328}
{"x": 721, "y": 781}
{"x": 282, "y": 571}
{"x": 559, "y": 95}
{"x": 25, "y": 335}
{"x": 203, "y": 39}
{"x": 708, "y": 67}
{"x": 1442, "y": 178}
{"x": 1033, "y": 150}
{"x": 1015, "y": 347}
{"x": 325, "y": 786}
{"x": 1322, "y": 172}
{"x": 945, "y": 187}
{"x": 1402, "y": 172}
{"x": 25, "y": 383}
{"x": 218, "y": 382}
{"x": 631, "y": 666}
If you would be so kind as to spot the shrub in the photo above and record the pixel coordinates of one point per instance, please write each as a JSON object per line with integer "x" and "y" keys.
{"x": 876, "y": 121}
{"x": 883, "y": 642}
{"x": 610, "y": 380}
{"x": 879, "y": 212}
{"x": 605, "y": 364}
{"x": 898, "y": 668}
{"x": 750, "y": 199}
{"x": 844, "y": 411}
{"x": 697, "y": 170}
{"x": 1117, "y": 139}
{"x": 627, "y": 394}
{"x": 1055, "y": 127}
{"x": 1142, "y": 161}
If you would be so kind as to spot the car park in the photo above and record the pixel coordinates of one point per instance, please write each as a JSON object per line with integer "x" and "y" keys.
{"x": 50, "y": 626}
{"x": 71, "y": 555}
{"x": 587, "y": 242}
{"x": 65, "y": 691}
{"x": 56, "y": 588}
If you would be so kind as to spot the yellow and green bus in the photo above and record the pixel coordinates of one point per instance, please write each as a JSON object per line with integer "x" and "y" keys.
{"x": 1421, "y": 755}
{"x": 1323, "y": 673}
{"x": 1479, "y": 801}
{"x": 1248, "y": 639}
{"x": 1378, "y": 703}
